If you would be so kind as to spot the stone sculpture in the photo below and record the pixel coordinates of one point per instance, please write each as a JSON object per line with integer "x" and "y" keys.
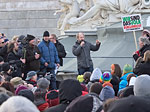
{"x": 103, "y": 11}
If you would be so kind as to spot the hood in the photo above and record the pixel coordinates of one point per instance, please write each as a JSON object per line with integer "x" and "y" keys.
{"x": 130, "y": 104}
{"x": 125, "y": 76}
{"x": 87, "y": 103}
{"x": 68, "y": 90}
{"x": 96, "y": 74}
{"x": 106, "y": 93}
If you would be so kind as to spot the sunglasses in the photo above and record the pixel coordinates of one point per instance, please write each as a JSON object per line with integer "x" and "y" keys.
{"x": 2, "y": 42}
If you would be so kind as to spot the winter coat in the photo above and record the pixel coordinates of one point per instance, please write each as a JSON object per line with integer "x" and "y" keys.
{"x": 142, "y": 68}
{"x": 126, "y": 92}
{"x": 123, "y": 83}
{"x": 3, "y": 52}
{"x": 115, "y": 82}
{"x": 83, "y": 54}
{"x": 49, "y": 54}
{"x": 15, "y": 62}
{"x": 61, "y": 51}
{"x": 32, "y": 64}
{"x": 141, "y": 52}
{"x": 68, "y": 91}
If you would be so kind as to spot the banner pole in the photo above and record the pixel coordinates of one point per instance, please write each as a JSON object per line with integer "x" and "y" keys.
{"x": 135, "y": 40}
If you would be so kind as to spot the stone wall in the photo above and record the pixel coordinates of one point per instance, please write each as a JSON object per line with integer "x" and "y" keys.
{"x": 28, "y": 17}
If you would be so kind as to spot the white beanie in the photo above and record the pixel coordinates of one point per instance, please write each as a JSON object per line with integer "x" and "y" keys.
{"x": 18, "y": 104}
{"x": 142, "y": 86}
{"x": 96, "y": 74}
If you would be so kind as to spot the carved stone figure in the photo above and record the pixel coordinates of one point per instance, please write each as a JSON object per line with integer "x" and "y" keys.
{"x": 71, "y": 8}
{"x": 120, "y": 6}
{"x": 98, "y": 12}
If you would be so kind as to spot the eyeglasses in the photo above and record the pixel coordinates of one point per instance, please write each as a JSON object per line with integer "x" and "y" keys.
{"x": 2, "y": 42}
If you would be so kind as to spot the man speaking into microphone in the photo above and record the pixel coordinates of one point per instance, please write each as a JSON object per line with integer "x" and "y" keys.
{"x": 82, "y": 49}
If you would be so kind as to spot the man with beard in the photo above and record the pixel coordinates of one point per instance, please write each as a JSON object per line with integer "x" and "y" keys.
{"x": 82, "y": 49}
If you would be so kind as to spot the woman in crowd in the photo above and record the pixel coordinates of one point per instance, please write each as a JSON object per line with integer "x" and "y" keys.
{"x": 143, "y": 65}
{"x": 14, "y": 60}
{"x": 144, "y": 45}
{"x": 116, "y": 75}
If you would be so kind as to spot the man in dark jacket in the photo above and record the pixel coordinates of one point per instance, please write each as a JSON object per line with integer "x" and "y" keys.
{"x": 68, "y": 90}
{"x": 82, "y": 49}
{"x": 60, "y": 48}
{"x": 32, "y": 55}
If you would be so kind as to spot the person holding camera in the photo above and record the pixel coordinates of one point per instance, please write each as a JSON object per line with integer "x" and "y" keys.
{"x": 14, "y": 60}
{"x": 82, "y": 49}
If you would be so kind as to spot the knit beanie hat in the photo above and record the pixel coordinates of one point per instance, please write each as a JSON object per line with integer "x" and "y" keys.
{"x": 106, "y": 77}
{"x": 141, "y": 86}
{"x": 43, "y": 83}
{"x": 18, "y": 104}
{"x": 127, "y": 68}
{"x": 107, "y": 93}
{"x": 46, "y": 34}
{"x": 30, "y": 37}
{"x": 96, "y": 74}
{"x": 80, "y": 78}
{"x": 5, "y": 67}
{"x": 27, "y": 93}
{"x": 19, "y": 88}
{"x": 20, "y": 38}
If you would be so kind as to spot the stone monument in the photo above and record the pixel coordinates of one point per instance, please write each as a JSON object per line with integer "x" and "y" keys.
{"x": 88, "y": 14}
{"x": 103, "y": 17}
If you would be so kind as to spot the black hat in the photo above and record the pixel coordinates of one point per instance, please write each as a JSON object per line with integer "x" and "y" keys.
{"x": 29, "y": 37}
{"x": 5, "y": 67}
{"x": 3, "y": 97}
{"x": 27, "y": 93}
{"x": 87, "y": 103}
{"x": 46, "y": 34}
{"x": 130, "y": 104}
{"x": 20, "y": 38}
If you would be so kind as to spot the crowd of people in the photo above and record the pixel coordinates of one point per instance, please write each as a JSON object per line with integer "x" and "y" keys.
{"x": 28, "y": 68}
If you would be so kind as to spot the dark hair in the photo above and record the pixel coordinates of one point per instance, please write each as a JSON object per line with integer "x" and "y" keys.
{"x": 130, "y": 76}
{"x": 96, "y": 88}
{"x": 117, "y": 70}
{"x": 8, "y": 86}
{"x": 86, "y": 77}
